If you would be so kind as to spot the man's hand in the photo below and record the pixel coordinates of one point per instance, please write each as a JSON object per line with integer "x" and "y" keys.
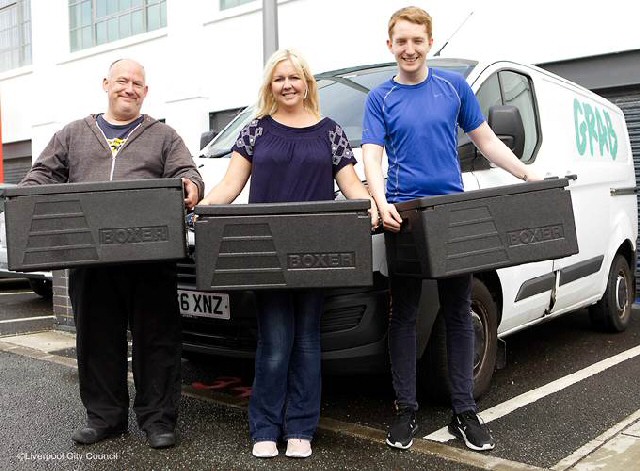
{"x": 391, "y": 219}
{"x": 191, "y": 193}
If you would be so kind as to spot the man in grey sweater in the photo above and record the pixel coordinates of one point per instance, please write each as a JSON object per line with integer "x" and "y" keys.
{"x": 123, "y": 144}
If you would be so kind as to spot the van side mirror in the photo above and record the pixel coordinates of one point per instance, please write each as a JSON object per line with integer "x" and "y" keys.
{"x": 506, "y": 122}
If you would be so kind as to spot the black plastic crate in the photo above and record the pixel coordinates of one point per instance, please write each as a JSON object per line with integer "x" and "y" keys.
{"x": 483, "y": 230}
{"x": 77, "y": 224}
{"x": 283, "y": 245}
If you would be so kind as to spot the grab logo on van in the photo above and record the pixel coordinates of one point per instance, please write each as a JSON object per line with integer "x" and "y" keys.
{"x": 594, "y": 130}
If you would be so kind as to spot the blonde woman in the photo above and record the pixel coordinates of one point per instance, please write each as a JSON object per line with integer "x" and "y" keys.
{"x": 292, "y": 154}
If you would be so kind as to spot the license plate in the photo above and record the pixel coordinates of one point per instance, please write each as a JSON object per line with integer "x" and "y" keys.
{"x": 204, "y": 304}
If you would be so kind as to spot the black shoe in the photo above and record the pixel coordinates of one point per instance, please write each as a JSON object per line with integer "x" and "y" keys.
{"x": 89, "y": 435}
{"x": 161, "y": 439}
{"x": 403, "y": 428}
{"x": 468, "y": 427}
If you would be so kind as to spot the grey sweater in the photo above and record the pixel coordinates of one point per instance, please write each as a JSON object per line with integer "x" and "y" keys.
{"x": 80, "y": 153}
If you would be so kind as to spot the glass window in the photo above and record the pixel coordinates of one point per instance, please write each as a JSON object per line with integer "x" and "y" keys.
{"x": 94, "y": 22}
{"x": 516, "y": 90}
{"x": 511, "y": 88}
{"x": 345, "y": 104}
{"x": 371, "y": 79}
{"x": 125, "y": 25}
{"x": 224, "y": 4}
{"x": 219, "y": 119}
{"x": 489, "y": 94}
{"x": 101, "y": 33}
{"x": 15, "y": 34}
{"x": 101, "y": 8}
{"x": 154, "y": 17}
{"x": 85, "y": 13}
{"x": 137, "y": 22}
{"x": 342, "y": 98}
{"x": 222, "y": 144}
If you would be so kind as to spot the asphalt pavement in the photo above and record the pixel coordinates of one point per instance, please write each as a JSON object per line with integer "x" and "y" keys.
{"x": 40, "y": 408}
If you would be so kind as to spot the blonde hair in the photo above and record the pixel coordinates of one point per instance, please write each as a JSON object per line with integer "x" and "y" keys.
{"x": 267, "y": 104}
{"x": 413, "y": 15}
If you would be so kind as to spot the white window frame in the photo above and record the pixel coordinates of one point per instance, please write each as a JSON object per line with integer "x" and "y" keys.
{"x": 15, "y": 38}
{"x": 113, "y": 24}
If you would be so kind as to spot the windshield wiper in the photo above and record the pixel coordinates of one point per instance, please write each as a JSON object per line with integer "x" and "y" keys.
{"x": 216, "y": 155}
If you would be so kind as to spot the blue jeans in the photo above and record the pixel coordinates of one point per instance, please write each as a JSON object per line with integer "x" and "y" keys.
{"x": 455, "y": 305}
{"x": 285, "y": 401}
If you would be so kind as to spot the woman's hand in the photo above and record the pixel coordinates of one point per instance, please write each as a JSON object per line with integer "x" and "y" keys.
{"x": 376, "y": 218}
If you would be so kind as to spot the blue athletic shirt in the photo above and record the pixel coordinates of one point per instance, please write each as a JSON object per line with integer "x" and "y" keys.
{"x": 418, "y": 126}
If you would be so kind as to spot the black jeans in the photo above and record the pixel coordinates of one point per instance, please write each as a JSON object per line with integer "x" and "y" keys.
{"x": 455, "y": 305}
{"x": 106, "y": 301}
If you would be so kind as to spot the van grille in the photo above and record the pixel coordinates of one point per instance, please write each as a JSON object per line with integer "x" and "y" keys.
{"x": 336, "y": 320}
{"x": 186, "y": 274}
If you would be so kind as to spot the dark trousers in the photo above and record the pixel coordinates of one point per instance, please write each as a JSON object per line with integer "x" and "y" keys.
{"x": 106, "y": 301}
{"x": 455, "y": 305}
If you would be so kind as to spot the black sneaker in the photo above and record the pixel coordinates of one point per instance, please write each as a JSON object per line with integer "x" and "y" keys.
{"x": 468, "y": 427}
{"x": 403, "y": 428}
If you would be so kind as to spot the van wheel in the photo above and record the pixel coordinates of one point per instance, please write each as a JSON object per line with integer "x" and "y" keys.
{"x": 42, "y": 287}
{"x": 485, "y": 323}
{"x": 613, "y": 312}
{"x": 433, "y": 377}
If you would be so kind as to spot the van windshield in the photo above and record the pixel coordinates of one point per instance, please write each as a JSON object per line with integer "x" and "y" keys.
{"x": 342, "y": 98}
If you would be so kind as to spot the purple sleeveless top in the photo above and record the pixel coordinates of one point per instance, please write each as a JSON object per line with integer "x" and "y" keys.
{"x": 293, "y": 164}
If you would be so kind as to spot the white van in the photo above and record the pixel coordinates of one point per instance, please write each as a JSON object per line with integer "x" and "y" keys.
{"x": 560, "y": 129}
{"x": 41, "y": 282}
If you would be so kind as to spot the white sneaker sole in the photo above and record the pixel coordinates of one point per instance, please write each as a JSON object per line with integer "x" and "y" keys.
{"x": 298, "y": 455}
{"x": 461, "y": 435}
{"x": 398, "y": 444}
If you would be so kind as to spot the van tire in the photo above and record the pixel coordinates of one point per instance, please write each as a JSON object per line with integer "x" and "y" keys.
{"x": 42, "y": 287}
{"x": 433, "y": 377}
{"x": 613, "y": 312}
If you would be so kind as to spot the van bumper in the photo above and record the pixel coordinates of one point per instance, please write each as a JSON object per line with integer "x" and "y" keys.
{"x": 353, "y": 330}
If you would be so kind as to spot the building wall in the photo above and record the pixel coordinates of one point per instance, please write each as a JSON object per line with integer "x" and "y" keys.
{"x": 206, "y": 60}
{"x": 203, "y": 61}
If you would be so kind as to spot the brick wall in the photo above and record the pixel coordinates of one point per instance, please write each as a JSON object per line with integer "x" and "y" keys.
{"x": 61, "y": 303}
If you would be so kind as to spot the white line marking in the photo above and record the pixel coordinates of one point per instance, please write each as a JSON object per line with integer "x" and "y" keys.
{"x": 442, "y": 435}
{"x": 17, "y": 292}
{"x": 26, "y": 319}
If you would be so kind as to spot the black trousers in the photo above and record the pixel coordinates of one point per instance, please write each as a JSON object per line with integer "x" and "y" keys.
{"x": 106, "y": 302}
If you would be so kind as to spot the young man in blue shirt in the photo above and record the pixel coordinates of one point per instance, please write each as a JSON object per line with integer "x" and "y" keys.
{"x": 415, "y": 117}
